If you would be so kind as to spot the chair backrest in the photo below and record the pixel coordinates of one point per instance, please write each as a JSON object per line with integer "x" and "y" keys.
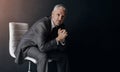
{"x": 16, "y": 31}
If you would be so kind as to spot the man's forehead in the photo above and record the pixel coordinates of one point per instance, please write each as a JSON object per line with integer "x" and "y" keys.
{"x": 60, "y": 10}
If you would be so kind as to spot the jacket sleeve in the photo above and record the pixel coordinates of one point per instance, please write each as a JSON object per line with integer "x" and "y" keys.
{"x": 41, "y": 38}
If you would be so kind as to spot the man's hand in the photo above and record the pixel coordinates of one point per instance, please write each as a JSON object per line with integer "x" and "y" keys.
{"x": 62, "y": 34}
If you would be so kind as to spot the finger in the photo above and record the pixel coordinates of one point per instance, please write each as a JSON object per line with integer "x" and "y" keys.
{"x": 59, "y": 30}
{"x": 64, "y": 31}
{"x": 66, "y": 35}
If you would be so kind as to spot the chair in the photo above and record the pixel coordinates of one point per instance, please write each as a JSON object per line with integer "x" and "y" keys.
{"x": 16, "y": 31}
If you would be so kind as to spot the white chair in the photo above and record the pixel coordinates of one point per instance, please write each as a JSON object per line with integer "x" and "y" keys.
{"x": 16, "y": 31}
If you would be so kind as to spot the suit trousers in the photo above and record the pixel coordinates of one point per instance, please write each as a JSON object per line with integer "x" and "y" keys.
{"x": 61, "y": 59}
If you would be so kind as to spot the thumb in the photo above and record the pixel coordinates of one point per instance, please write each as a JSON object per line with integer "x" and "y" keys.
{"x": 59, "y": 29}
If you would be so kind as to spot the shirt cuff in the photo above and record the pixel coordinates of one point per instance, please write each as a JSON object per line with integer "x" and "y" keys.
{"x": 62, "y": 42}
{"x": 57, "y": 42}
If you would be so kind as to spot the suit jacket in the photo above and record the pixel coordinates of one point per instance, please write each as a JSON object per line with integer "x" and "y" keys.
{"x": 38, "y": 36}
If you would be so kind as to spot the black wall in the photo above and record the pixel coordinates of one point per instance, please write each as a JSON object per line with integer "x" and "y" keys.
{"x": 92, "y": 35}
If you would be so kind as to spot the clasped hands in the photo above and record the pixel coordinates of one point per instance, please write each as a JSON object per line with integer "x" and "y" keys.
{"x": 62, "y": 34}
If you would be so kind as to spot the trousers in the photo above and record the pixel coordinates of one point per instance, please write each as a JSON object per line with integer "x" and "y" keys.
{"x": 61, "y": 59}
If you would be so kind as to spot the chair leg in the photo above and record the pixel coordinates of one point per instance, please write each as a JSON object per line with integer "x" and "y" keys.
{"x": 29, "y": 66}
{"x": 46, "y": 70}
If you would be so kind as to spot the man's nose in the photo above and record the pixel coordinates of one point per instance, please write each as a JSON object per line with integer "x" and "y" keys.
{"x": 60, "y": 18}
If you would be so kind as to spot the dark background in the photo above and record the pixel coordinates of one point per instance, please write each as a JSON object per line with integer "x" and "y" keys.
{"x": 92, "y": 34}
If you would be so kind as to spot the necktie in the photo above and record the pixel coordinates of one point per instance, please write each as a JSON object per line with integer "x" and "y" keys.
{"x": 54, "y": 32}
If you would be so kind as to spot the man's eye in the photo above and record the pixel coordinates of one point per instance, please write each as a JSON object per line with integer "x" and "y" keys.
{"x": 58, "y": 14}
{"x": 62, "y": 17}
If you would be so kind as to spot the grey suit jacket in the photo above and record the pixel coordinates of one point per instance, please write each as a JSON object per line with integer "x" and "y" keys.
{"x": 38, "y": 36}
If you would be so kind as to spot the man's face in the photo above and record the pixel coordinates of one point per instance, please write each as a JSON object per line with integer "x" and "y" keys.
{"x": 58, "y": 16}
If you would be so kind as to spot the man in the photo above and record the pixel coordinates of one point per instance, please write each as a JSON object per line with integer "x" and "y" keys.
{"x": 45, "y": 40}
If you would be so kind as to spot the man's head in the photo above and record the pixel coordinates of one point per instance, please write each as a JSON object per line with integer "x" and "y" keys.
{"x": 58, "y": 14}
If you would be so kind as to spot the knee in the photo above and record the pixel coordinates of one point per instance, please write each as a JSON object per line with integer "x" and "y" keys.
{"x": 41, "y": 57}
{"x": 63, "y": 57}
